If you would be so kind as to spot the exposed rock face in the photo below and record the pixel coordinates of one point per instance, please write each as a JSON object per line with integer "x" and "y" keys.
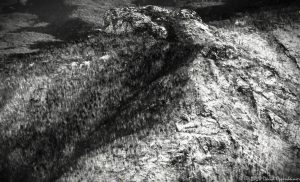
{"x": 128, "y": 20}
{"x": 189, "y": 103}
{"x": 240, "y": 115}
{"x": 238, "y": 118}
{"x": 160, "y": 22}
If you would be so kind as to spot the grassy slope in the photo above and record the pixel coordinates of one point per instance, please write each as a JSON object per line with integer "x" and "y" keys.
{"x": 58, "y": 98}
{"x": 168, "y": 154}
{"x": 70, "y": 102}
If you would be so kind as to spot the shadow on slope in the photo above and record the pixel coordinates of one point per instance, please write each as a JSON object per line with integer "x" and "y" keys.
{"x": 58, "y": 14}
{"x": 55, "y": 11}
{"x": 217, "y": 10}
{"x": 232, "y": 7}
{"x": 87, "y": 108}
{"x": 155, "y": 2}
{"x": 53, "y": 21}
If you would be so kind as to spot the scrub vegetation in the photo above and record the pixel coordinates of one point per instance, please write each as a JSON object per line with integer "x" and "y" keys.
{"x": 215, "y": 99}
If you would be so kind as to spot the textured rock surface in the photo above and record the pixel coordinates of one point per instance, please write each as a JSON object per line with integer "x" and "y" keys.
{"x": 176, "y": 101}
{"x": 238, "y": 118}
{"x": 160, "y": 22}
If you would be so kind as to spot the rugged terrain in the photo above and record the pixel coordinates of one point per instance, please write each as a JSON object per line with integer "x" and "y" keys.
{"x": 156, "y": 94}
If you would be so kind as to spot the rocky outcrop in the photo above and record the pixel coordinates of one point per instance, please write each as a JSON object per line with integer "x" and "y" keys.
{"x": 172, "y": 99}
{"x": 159, "y": 22}
{"x": 239, "y": 116}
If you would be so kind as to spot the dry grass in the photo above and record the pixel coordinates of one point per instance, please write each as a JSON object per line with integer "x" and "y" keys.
{"x": 56, "y": 99}
{"x": 73, "y": 98}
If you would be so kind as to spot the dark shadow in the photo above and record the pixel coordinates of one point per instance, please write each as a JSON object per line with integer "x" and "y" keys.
{"x": 11, "y": 8}
{"x": 68, "y": 30}
{"x": 214, "y": 10}
{"x": 171, "y": 3}
{"x": 56, "y": 13}
{"x": 138, "y": 94}
{"x": 231, "y": 7}
{"x": 5, "y": 95}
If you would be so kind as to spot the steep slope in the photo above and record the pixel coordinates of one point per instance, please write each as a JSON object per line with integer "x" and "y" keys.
{"x": 156, "y": 95}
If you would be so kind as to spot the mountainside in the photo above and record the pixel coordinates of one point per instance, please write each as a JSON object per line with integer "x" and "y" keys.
{"x": 156, "y": 94}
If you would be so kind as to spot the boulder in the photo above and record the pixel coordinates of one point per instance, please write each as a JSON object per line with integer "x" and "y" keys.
{"x": 160, "y": 22}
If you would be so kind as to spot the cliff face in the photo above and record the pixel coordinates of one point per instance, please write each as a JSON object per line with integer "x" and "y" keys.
{"x": 156, "y": 95}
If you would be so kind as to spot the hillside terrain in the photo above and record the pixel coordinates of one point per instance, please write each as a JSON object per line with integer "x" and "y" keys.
{"x": 29, "y": 23}
{"x": 23, "y": 27}
{"x": 149, "y": 93}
